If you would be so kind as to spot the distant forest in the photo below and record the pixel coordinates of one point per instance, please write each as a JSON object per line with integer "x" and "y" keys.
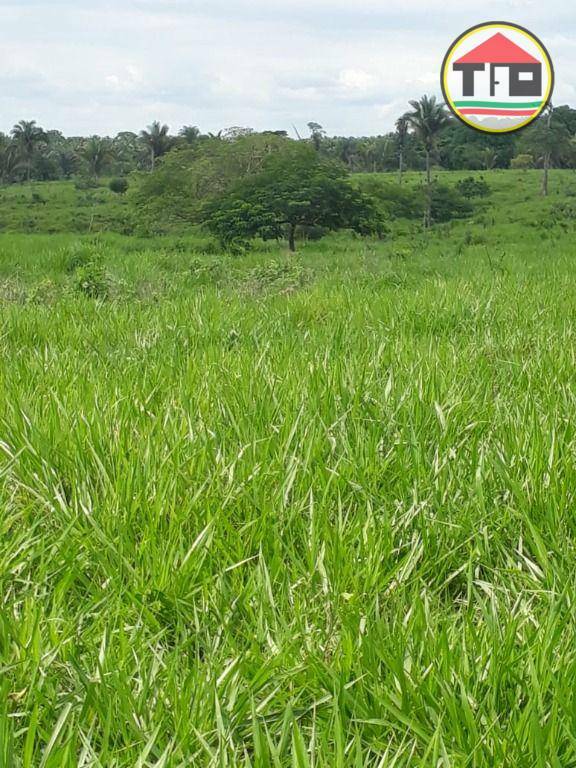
{"x": 35, "y": 153}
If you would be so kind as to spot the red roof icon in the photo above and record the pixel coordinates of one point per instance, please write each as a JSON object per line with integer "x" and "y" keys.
{"x": 498, "y": 50}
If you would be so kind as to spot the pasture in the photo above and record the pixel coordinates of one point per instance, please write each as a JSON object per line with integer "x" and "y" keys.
{"x": 288, "y": 510}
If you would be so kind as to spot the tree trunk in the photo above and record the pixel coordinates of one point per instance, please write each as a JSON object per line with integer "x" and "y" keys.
{"x": 546, "y": 173}
{"x": 400, "y": 166}
{"x": 547, "y": 157}
{"x": 292, "y": 237}
{"x": 428, "y": 211}
{"x": 152, "y": 161}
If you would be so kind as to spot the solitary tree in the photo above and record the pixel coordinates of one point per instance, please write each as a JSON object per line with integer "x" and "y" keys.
{"x": 427, "y": 119}
{"x": 157, "y": 140}
{"x": 27, "y": 137}
{"x": 295, "y": 188}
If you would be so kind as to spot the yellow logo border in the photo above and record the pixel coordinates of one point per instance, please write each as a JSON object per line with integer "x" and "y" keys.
{"x": 490, "y": 25}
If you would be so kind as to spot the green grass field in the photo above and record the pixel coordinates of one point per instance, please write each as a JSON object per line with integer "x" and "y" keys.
{"x": 290, "y": 511}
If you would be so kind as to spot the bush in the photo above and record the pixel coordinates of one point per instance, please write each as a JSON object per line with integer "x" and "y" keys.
{"x": 92, "y": 280}
{"x": 80, "y": 255}
{"x": 206, "y": 272}
{"x": 522, "y": 162}
{"x": 119, "y": 186}
{"x": 276, "y": 276}
{"x": 448, "y": 203}
{"x": 395, "y": 200}
{"x": 86, "y": 182}
{"x": 471, "y": 187}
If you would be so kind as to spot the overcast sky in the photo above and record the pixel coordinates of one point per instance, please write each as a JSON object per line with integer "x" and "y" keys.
{"x": 102, "y": 66}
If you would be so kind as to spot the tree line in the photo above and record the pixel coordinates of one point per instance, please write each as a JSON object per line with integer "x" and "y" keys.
{"x": 29, "y": 152}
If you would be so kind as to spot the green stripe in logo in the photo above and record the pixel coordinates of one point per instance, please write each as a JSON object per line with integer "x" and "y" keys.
{"x": 500, "y": 104}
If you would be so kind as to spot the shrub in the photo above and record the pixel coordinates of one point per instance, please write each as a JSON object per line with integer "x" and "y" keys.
{"x": 206, "y": 272}
{"x": 395, "y": 200}
{"x": 448, "y": 203}
{"x": 44, "y": 292}
{"x": 119, "y": 186}
{"x": 282, "y": 277}
{"x": 86, "y": 182}
{"x": 522, "y": 162}
{"x": 471, "y": 187}
{"x": 92, "y": 280}
{"x": 79, "y": 255}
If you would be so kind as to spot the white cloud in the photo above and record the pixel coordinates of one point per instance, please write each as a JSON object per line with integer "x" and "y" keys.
{"x": 105, "y": 66}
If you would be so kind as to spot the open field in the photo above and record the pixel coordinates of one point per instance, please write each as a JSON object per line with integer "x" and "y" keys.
{"x": 273, "y": 510}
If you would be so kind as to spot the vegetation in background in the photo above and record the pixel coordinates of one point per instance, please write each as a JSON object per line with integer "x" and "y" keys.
{"x": 32, "y": 153}
{"x": 190, "y": 175}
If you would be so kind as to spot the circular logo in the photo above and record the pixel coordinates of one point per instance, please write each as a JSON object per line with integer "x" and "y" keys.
{"x": 497, "y": 77}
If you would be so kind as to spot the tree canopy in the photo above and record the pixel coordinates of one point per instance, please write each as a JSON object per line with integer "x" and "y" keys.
{"x": 424, "y": 137}
{"x": 294, "y": 188}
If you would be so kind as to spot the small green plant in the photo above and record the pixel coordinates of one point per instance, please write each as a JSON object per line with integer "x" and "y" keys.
{"x": 92, "y": 280}
{"x": 205, "y": 272}
{"x": 279, "y": 276}
{"x": 522, "y": 162}
{"x": 86, "y": 182}
{"x": 395, "y": 200}
{"x": 44, "y": 292}
{"x": 471, "y": 187}
{"x": 119, "y": 186}
{"x": 80, "y": 255}
{"x": 448, "y": 204}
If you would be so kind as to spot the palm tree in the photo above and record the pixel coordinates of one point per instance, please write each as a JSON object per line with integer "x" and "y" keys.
{"x": 548, "y": 149}
{"x": 157, "y": 140}
{"x": 27, "y": 137}
{"x": 347, "y": 150}
{"x": 402, "y": 125}
{"x": 67, "y": 161}
{"x": 10, "y": 161}
{"x": 489, "y": 158}
{"x": 190, "y": 134}
{"x": 97, "y": 152}
{"x": 427, "y": 119}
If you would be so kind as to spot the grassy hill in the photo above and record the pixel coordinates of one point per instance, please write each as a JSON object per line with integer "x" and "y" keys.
{"x": 284, "y": 510}
{"x": 61, "y": 206}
